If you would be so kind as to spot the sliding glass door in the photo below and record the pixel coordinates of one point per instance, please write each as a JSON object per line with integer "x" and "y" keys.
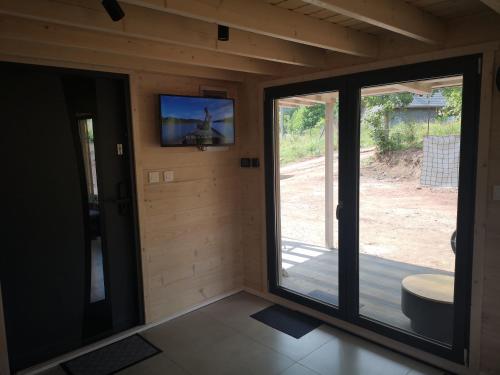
{"x": 307, "y": 167}
{"x": 409, "y": 163}
{"x": 370, "y": 199}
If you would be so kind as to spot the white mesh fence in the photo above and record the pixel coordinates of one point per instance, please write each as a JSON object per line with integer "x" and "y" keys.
{"x": 441, "y": 161}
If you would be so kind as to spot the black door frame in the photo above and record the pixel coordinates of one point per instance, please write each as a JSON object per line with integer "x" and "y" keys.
{"x": 349, "y": 87}
{"x": 271, "y": 94}
{"x": 124, "y": 80}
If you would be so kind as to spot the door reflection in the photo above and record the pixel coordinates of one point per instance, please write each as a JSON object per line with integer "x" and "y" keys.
{"x": 97, "y": 286}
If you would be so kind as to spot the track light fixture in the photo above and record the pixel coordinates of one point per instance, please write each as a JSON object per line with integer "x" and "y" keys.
{"x": 223, "y": 33}
{"x": 114, "y": 9}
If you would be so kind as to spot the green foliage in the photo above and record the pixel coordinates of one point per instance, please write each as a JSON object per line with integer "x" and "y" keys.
{"x": 303, "y": 118}
{"x": 453, "y": 107}
{"x": 295, "y": 147}
{"x": 303, "y": 137}
{"x": 377, "y": 111}
{"x": 410, "y": 135}
{"x": 365, "y": 137}
{"x": 387, "y": 103}
{"x": 404, "y": 136}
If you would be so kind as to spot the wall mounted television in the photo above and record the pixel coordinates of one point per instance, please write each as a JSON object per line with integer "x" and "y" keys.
{"x": 196, "y": 121}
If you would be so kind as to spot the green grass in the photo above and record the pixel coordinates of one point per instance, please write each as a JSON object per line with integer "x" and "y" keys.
{"x": 296, "y": 147}
{"x": 406, "y": 136}
{"x": 439, "y": 129}
{"x": 365, "y": 139}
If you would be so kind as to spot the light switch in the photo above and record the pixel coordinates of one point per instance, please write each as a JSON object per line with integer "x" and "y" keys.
{"x": 168, "y": 176}
{"x": 496, "y": 193}
{"x": 154, "y": 177}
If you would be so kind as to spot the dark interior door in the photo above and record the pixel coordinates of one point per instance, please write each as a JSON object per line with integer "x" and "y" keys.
{"x": 113, "y": 159}
{"x": 43, "y": 252}
{"x": 69, "y": 263}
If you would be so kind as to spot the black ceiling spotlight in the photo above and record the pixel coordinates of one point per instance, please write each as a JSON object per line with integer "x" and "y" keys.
{"x": 114, "y": 9}
{"x": 223, "y": 33}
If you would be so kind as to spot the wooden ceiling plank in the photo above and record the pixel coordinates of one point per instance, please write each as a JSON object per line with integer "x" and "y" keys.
{"x": 493, "y": 4}
{"x": 393, "y": 15}
{"x": 163, "y": 27}
{"x": 44, "y": 32}
{"x": 112, "y": 62}
{"x": 291, "y": 4}
{"x": 262, "y": 18}
{"x": 322, "y": 14}
{"x": 419, "y": 88}
{"x": 308, "y": 9}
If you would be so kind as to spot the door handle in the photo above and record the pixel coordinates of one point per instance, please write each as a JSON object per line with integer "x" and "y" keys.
{"x": 123, "y": 200}
{"x": 337, "y": 211}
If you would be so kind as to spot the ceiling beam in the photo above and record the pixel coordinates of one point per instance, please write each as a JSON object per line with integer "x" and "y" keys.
{"x": 44, "y": 32}
{"x": 419, "y": 88}
{"x": 393, "y": 15}
{"x": 493, "y": 4}
{"x": 289, "y": 104}
{"x": 12, "y": 50}
{"x": 306, "y": 99}
{"x": 162, "y": 27}
{"x": 265, "y": 19}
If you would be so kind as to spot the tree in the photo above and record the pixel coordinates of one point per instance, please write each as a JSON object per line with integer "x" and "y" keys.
{"x": 303, "y": 118}
{"x": 387, "y": 103}
{"x": 453, "y": 107}
{"x": 377, "y": 110}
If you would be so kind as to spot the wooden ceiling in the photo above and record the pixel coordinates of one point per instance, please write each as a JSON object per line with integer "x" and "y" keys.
{"x": 267, "y": 37}
{"x": 442, "y": 9}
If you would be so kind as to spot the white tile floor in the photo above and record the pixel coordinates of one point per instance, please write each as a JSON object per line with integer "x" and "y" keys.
{"x": 222, "y": 338}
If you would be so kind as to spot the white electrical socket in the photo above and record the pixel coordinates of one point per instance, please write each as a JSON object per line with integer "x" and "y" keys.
{"x": 496, "y": 193}
{"x": 154, "y": 177}
{"x": 168, "y": 176}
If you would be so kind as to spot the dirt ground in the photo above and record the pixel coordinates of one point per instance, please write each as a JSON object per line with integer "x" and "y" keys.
{"x": 400, "y": 220}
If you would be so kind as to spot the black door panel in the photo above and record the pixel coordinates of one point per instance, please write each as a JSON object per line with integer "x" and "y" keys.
{"x": 67, "y": 192}
{"x": 43, "y": 254}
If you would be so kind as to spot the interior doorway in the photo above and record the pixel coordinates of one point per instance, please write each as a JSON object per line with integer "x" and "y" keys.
{"x": 70, "y": 266}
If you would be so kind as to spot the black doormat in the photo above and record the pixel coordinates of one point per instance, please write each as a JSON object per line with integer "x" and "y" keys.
{"x": 287, "y": 321}
{"x": 112, "y": 358}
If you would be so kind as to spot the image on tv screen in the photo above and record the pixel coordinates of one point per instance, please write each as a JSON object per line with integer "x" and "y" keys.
{"x": 196, "y": 121}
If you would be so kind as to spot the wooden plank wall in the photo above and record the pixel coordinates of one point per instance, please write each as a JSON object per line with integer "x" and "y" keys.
{"x": 190, "y": 228}
{"x": 490, "y": 331}
{"x": 252, "y": 189}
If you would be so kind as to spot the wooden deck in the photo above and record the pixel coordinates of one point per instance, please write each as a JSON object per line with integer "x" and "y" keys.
{"x": 313, "y": 271}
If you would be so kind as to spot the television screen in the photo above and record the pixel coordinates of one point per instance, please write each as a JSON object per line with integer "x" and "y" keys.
{"x": 192, "y": 121}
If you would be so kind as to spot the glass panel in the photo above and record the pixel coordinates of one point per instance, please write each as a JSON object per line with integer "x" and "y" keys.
{"x": 308, "y": 191}
{"x": 97, "y": 288}
{"x": 409, "y": 164}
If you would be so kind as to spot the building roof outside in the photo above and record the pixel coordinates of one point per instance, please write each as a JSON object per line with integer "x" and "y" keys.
{"x": 436, "y": 100}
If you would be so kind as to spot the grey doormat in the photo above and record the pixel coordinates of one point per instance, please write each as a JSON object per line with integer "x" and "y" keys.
{"x": 112, "y": 358}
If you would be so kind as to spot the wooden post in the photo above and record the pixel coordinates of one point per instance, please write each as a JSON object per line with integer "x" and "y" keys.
{"x": 277, "y": 126}
{"x": 329, "y": 198}
{"x": 282, "y": 122}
